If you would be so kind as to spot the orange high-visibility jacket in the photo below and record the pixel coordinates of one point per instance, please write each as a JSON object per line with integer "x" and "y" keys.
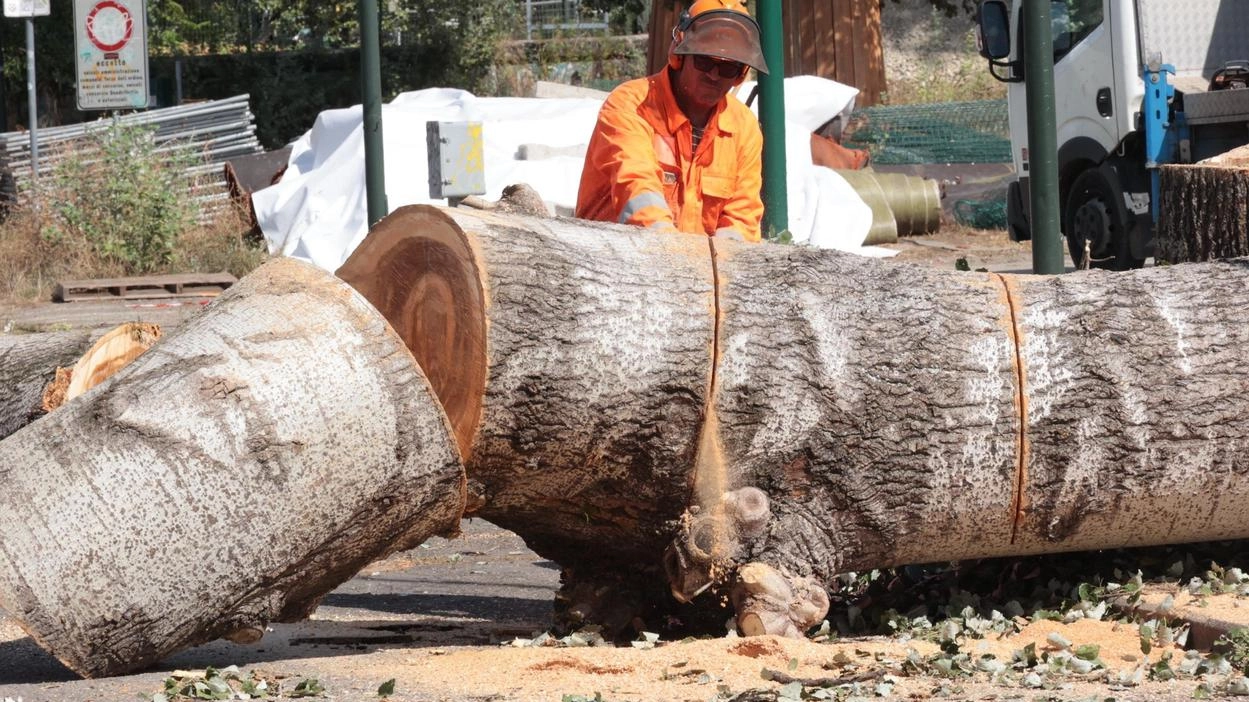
{"x": 639, "y": 169}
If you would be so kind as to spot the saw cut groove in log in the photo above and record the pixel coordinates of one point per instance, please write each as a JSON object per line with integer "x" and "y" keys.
{"x": 596, "y": 358}
{"x": 230, "y": 476}
{"x": 28, "y": 363}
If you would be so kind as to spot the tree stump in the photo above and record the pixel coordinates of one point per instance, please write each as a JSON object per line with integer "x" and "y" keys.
{"x": 233, "y": 474}
{"x": 1205, "y": 209}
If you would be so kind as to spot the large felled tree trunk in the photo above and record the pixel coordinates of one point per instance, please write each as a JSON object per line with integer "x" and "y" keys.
{"x": 849, "y": 413}
{"x": 1205, "y": 209}
{"x": 230, "y": 476}
{"x": 28, "y": 362}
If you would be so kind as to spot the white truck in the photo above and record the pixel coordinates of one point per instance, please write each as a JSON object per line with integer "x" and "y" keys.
{"x": 1137, "y": 83}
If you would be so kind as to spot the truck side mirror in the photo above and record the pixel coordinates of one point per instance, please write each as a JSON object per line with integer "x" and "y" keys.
{"x": 993, "y": 39}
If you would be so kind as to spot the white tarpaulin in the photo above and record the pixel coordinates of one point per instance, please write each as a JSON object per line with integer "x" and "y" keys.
{"x": 318, "y": 210}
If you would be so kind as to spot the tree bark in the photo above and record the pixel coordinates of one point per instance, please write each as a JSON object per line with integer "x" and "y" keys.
{"x": 1205, "y": 211}
{"x": 573, "y": 358}
{"x": 791, "y": 413}
{"x": 243, "y": 467}
{"x": 899, "y": 415}
{"x": 28, "y": 362}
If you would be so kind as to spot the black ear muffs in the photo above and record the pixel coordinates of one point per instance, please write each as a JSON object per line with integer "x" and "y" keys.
{"x": 678, "y": 33}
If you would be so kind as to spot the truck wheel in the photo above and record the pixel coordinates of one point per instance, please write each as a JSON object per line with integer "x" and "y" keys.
{"x": 1096, "y": 220}
{"x": 1017, "y": 227}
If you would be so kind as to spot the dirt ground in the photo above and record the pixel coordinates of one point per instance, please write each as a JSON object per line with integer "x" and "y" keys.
{"x": 452, "y": 621}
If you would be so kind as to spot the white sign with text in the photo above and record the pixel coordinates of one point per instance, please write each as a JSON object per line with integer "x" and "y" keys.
{"x": 27, "y": 8}
{"x": 110, "y": 53}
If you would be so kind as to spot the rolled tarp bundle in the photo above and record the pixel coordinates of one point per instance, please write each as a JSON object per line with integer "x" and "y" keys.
{"x": 902, "y": 205}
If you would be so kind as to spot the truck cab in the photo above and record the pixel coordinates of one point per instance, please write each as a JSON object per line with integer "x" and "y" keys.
{"x": 1137, "y": 83}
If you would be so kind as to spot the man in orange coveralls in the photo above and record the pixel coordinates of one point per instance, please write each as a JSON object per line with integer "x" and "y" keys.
{"x": 674, "y": 151}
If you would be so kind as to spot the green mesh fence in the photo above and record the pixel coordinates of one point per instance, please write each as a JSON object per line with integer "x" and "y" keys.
{"x": 981, "y": 214}
{"x": 943, "y": 132}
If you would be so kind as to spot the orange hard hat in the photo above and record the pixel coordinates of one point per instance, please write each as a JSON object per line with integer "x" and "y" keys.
{"x": 720, "y": 28}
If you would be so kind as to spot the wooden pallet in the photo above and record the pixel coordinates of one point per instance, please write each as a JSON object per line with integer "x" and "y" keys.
{"x": 144, "y": 287}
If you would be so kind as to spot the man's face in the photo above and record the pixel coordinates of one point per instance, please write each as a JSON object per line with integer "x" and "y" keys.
{"x": 703, "y": 80}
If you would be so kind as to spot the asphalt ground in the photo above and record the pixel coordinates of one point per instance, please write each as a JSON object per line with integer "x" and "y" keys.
{"x": 480, "y": 589}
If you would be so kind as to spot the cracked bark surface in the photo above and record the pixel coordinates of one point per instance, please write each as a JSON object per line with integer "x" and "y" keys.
{"x": 1205, "y": 213}
{"x": 232, "y": 475}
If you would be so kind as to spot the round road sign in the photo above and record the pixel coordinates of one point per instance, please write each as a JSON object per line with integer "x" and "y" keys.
{"x": 109, "y": 25}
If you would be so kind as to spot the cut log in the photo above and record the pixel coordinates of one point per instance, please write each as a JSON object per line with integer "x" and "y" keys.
{"x": 899, "y": 415}
{"x": 28, "y": 362}
{"x": 791, "y": 413}
{"x": 573, "y": 359}
{"x": 109, "y": 354}
{"x": 39, "y": 370}
{"x": 1205, "y": 209}
{"x": 243, "y": 467}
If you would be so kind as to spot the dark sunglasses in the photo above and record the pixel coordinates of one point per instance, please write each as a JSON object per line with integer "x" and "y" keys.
{"x": 725, "y": 69}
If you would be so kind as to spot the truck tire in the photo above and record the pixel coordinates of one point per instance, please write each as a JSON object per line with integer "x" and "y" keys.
{"x": 1095, "y": 216}
{"x": 1017, "y": 226}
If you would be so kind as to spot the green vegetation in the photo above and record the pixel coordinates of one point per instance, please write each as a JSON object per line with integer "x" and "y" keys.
{"x": 119, "y": 200}
{"x": 113, "y": 205}
{"x": 232, "y": 684}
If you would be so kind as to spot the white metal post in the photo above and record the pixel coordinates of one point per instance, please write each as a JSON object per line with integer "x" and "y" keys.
{"x": 30, "y": 95}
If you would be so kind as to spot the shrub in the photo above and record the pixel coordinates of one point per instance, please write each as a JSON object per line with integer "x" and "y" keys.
{"x": 115, "y": 205}
{"x": 120, "y": 198}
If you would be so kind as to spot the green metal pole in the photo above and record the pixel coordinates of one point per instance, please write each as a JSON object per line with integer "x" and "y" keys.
{"x": 371, "y": 87}
{"x": 772, "y": 118}
{"x": 1038, "y": 47}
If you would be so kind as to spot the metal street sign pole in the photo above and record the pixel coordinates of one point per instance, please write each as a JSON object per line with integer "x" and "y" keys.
{"x": 1047, "y": 242}
{"x": 29, "y": 9}
{"x": 31, "y": 97}
{"x": 772, "y": 118}
{"x": 371, "y": 107}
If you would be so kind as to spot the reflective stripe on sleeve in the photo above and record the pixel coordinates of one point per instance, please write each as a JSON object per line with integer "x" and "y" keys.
{"x": 639, "y": 201}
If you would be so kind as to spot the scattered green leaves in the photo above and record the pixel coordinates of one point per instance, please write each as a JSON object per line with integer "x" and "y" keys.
{"x": 308, "y": 687}
{"x": 1234, "y": 646}
{"x": 213, "y": 684}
